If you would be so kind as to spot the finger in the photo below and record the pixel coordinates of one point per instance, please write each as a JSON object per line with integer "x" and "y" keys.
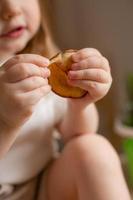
{"x": 98, "y": 75}
{"x": 30, "y": 84}
{"x": 92, "y": 62}
{"x": 34, "y": 96}
{"x": 96, "y": 90}
{"x": 84, "y": 53}
{"x": 27, "y": 58}
{"x": 24, "y": 70}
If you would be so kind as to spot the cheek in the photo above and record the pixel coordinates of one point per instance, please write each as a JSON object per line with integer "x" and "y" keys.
{"x": 33, "y": 18}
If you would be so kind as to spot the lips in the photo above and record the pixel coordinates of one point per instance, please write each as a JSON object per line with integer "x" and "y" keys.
{"x": 14, "y": 32}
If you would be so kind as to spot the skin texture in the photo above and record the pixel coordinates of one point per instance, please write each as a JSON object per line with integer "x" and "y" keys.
{"x": 14, "y": 13}
{"x": 82, "y": 171}
{"x": 23, "y": 78}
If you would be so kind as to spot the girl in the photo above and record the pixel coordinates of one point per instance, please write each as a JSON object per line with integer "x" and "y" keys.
{"x": 88, "y": 167}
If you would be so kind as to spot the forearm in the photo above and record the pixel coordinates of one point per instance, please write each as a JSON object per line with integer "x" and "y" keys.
{"x": 78, "y": 121}
{"x": 7, "y": 137}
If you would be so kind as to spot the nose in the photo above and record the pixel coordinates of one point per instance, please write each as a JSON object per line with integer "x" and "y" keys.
{"x": 10, "y": 10}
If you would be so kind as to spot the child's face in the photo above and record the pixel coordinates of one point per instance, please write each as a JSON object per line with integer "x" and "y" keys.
{"x": 19, "y": 22}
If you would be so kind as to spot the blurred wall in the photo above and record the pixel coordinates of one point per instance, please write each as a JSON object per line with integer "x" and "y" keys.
{"x": 108, "y": 26}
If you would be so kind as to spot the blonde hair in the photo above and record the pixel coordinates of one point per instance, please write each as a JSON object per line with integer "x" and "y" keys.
{"x": 43, "y": 42}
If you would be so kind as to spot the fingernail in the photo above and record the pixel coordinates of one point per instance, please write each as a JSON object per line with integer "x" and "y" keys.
{"x": 47, "y": 72}
{"x": 70, "y": 74}
{"x": 47, "y": 62}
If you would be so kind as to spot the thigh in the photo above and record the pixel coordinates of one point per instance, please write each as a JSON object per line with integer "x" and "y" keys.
{"x": 88, "y": 168}
{"x": 60, "y": 177}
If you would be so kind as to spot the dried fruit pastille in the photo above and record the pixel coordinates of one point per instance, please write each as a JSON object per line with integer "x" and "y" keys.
{"x": 59, "y": 67}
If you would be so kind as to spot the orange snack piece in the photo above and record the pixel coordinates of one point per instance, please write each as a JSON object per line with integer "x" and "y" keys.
{"x": 59, "y": 67}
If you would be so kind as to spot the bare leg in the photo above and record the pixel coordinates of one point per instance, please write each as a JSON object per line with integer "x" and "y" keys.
{"x": 88, "y": 169}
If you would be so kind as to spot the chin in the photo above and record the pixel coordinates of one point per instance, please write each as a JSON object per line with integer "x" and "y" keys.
{"x": 19, "y": 46}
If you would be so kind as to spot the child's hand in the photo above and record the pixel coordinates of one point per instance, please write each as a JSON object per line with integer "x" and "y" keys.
{"x": 23, "y": 82}
{"x": 91, "y": 72}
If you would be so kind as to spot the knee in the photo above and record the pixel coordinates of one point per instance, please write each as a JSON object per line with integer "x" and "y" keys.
{"x": 92, "y": 150}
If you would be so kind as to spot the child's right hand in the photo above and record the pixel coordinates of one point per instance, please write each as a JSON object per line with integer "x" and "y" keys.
{"x": 23, "y": 82}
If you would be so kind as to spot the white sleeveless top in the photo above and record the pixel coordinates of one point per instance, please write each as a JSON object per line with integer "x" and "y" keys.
{"x": 33, "y": 147}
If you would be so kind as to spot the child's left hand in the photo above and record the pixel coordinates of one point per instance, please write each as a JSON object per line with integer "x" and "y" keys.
{"x": 91, "y": 72}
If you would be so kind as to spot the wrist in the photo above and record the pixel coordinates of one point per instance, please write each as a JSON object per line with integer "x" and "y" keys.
{"x": 78, "y": 106}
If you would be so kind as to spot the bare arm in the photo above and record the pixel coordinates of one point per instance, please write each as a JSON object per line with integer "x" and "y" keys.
{"x": 79, "y": 121}
{"x": 91, "y": 72}
{"x": 21, "y": 89}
